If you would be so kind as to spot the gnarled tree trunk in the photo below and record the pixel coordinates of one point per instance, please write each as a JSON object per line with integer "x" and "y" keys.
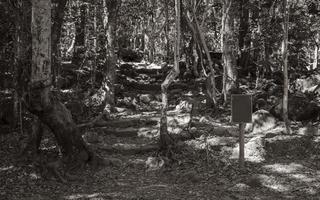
{"x": 40, "y": 100}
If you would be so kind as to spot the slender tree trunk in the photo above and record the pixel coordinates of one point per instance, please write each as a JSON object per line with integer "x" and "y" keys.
{"x": 80, "y": 38}
{"x": 151, "y": 24}
{"x": 228, "y": 47}
{"x": 316, "y": 52}
{"x": 285, "y": 65}
{"x": 167, "y": 26}
{"x": 199, "y": 38}
{"x": 244, "y": 38}
{"x": 165, "y": 139}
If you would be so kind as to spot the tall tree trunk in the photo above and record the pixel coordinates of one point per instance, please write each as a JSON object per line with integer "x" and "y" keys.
{"x": 165, "y": 139}
{"x": 110, "y": 17}
{"x": 39, "y": 100}
{"x": 285, "y": 65}
{"x": 151, "y": 24}
{"x": 59, "y": 13}
{"x": 228, "y": 47}
{"x": 23, "y": 54}
{"x": 166, "y": 29}
{"x": 244, "y": 37}
{"x": 316, "y": 52}
{"x": 80, "y": 35}
{"x": 200, "y": 40}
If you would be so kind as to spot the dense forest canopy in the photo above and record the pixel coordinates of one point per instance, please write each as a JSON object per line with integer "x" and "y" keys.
{"x": 134, "y": 86}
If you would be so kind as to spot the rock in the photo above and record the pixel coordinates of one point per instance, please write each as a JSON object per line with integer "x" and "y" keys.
{"x": 310, "y": 112}
{"x": 309, "y": 130}
{"x": 145, "y": 98}
{"x": 184, "y": 106}
{"x": 129, "y": 55}
{"x": 92, "y": 137}
{"x": 259, "y": 104}
{"x": 262, "y": 121}
{"x": 307, "y": 83}
{"x": 154, "y": 163}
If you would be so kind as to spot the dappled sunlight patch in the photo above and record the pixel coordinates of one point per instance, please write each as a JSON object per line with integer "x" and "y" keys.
{"x": 81, "y": 196}
{"x": 302, "y": 177}
{"x": 254, "y": 150}
{"x": 153, "y": 66}
{"x": 272, "y": 182}
{"x": 240, "y": 187}
{"x": 148, "y": 132}
{"x": 177, "y": 123}
{"x": 67, "y": 91}
{"x": 3, "y": 169}
{"x": 211, "y": 141}
{"x": 284, "y": 168}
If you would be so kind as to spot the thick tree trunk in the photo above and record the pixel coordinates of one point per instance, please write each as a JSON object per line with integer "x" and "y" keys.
{"x": 39, "y": 99}
{"x": 285, "y": 65}
{"x": 165, "y": 139}
{"x": 228, "y": 47}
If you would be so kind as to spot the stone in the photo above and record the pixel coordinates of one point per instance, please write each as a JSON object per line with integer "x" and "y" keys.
{"x": 262, "y": 121}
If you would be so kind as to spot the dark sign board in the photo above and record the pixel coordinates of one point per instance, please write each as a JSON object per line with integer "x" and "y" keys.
{"x": 241, "y": 108}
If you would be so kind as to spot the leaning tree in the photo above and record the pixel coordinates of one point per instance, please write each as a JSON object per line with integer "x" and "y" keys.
{"x": 38, "y": 95}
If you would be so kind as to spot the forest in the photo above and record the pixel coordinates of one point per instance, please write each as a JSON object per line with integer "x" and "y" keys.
{"x": 141, "y": 99}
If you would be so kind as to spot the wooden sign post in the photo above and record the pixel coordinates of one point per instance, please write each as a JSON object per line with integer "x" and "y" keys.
{"x": 241, "y": 113}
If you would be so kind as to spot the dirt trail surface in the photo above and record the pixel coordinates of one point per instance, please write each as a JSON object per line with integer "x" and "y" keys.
{"x": 203, "y": 165}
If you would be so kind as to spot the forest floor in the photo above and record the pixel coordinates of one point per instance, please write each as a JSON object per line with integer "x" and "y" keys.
{"x": 278, "y": 166}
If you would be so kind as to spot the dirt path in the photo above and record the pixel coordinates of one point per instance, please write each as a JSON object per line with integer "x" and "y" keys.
{"x": 278, "y": 167}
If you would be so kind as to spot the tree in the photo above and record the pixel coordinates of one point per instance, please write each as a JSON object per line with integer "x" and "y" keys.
{"x": 38, "y": 97}
{"x": 244, "y": 37}
{"x": 80, "y": 34}
{"x": 58, "y": 16}
{"x": 285, "y": 65}
{"x": 165, "y": 139}
{"x": 228, "y": 46}
{"x": 110, "y": 20}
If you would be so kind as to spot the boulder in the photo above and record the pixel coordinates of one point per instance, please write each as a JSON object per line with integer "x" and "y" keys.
{"x": 262, "y": 121}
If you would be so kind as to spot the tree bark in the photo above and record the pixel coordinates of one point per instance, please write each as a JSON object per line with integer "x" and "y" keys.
{"x": 285, "y": 65}
{"x": 228, "y": 47}
{"x": 165, "y": 139}
{"x": 40, "y": 101}
{"x": 199, "y": 38}
{"x": 167, "y": 26}
{"x": 110, "y": 17}
{"x": 80, "y": 36}
{"x": 59, "y": 13}
{"x": 244, "y": 37}
{"x": 316, "y": 52}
